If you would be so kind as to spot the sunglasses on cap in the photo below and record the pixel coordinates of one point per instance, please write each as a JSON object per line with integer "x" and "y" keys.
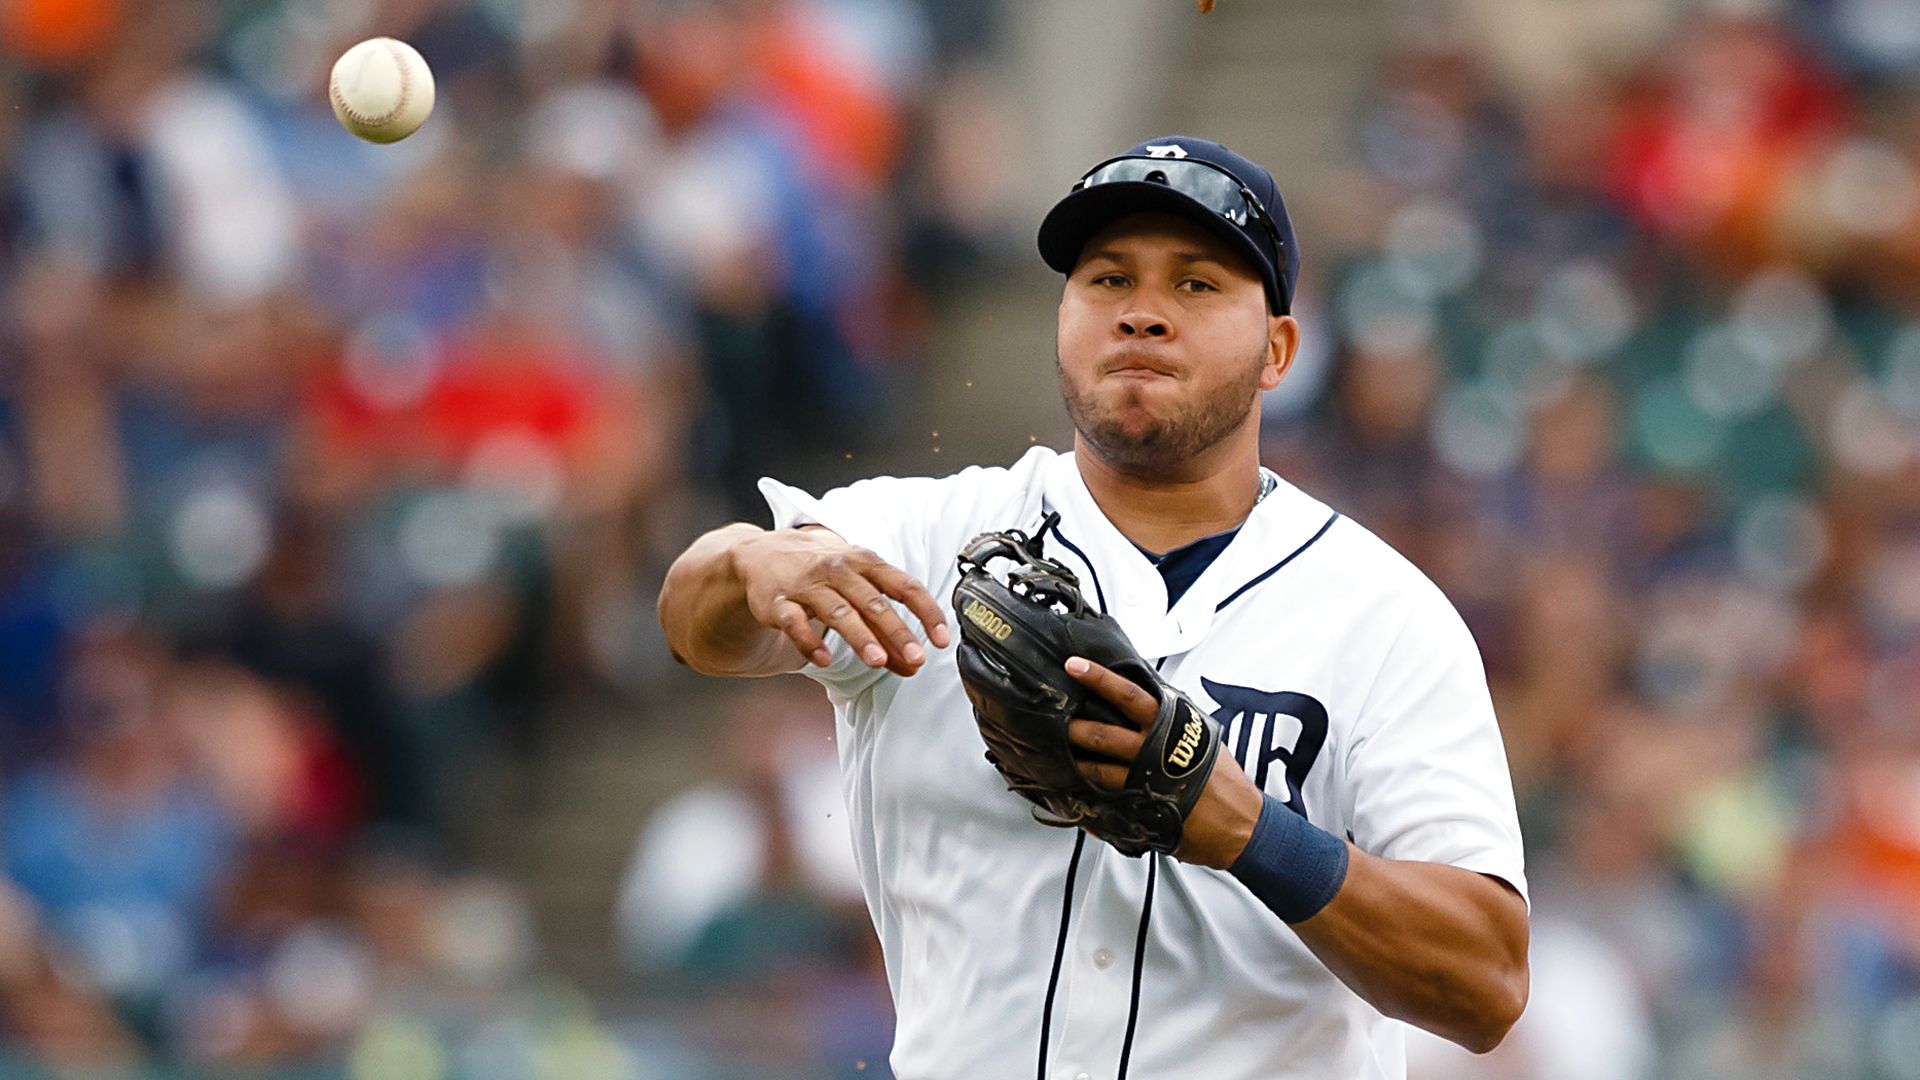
{"x": 1209, "y": 185}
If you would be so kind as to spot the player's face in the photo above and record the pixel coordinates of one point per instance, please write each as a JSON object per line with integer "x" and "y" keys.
{"x": 1165, "y": 342}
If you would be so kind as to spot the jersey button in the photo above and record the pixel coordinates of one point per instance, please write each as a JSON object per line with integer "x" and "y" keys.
{"x": 1082, "y": 1076}
{"x": 1102, "y": 959}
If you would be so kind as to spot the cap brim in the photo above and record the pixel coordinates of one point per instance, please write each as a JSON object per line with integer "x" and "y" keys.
{"x": 1080, "y": 216}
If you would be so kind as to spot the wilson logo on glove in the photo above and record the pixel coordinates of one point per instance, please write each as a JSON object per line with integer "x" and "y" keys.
{"x": 1180, "y": 757}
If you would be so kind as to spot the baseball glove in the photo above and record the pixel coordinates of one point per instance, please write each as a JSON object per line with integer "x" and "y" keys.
{"x": 1021, "y": 616}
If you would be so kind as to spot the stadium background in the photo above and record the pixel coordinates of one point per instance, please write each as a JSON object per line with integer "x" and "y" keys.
{"x": 337, "y": 736}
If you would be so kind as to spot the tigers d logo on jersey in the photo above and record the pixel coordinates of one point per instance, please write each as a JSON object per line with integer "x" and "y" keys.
{"x": 1242, "y": 711}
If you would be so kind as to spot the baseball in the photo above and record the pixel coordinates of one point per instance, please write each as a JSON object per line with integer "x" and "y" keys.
{"x": 381, "y": 90}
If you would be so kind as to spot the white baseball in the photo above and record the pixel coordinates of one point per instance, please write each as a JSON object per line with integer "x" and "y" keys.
{"x": 381, "y": 90}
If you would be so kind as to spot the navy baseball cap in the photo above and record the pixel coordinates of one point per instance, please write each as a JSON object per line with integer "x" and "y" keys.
{"x": 1195, "y": 178}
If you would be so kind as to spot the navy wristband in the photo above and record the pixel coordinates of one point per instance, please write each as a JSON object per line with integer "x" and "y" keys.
{"x": 1292, "y": 865}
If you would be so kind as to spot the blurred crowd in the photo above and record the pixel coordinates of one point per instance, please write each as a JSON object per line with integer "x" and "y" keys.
{"x": 329, "y": 469}
{"x": 1626, "y": 307}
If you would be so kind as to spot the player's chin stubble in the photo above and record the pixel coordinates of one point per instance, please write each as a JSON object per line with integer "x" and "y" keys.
{"x": 1166, "y": 443}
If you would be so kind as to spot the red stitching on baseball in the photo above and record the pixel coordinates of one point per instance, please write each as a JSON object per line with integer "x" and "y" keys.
{"x": 406, "y": 90}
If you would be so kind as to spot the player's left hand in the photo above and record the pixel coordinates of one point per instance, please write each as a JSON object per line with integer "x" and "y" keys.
{"x": 1221, "y": 822}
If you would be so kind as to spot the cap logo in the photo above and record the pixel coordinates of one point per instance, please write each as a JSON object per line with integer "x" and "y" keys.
{"x": 1166, "y": 150}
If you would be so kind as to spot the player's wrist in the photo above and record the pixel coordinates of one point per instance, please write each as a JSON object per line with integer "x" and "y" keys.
{"x": 737, "y": 556}
{"x": 1219, "y": 844}
{"x": 1293, "y": 866}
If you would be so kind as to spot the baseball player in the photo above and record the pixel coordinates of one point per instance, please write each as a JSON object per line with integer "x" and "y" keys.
{"x": 1353, "y": 859}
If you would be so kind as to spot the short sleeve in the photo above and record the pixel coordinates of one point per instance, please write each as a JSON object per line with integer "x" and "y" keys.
{"x": 885, "y": 514}
{"x": 1427, "y": 770}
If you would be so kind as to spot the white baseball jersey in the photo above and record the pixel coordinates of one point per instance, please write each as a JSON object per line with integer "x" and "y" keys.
{"x": 1345, "y": 684}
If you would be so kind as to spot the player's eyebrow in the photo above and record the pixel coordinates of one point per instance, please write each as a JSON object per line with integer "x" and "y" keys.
{"x": 1189, "y": 257}
{"x": 1194, "y": 255}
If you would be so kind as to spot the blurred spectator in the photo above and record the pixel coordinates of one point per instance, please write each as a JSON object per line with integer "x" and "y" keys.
{"x": 288, "y": 628}
{"x": 122, "y": 847}
{"x": 745, "y": 891}
{"x": 777, "y": 823}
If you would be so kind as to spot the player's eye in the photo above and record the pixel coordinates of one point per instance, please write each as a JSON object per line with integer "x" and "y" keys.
{"x": 1197, "y": 285}
{"x": 1111, "y": 280}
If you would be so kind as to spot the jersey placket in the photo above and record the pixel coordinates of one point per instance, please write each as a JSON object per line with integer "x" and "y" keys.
{"x": 1097, "y": 972}
{"x": 1096, "y": 978}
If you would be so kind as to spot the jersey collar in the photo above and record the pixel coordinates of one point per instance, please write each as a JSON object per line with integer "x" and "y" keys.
{"x": 1131, "y": 586}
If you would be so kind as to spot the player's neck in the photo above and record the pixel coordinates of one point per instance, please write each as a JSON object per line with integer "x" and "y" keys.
{"x": 1163, "y": 513}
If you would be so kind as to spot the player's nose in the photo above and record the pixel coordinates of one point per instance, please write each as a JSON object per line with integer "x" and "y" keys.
{"x": 1141, "y": 323}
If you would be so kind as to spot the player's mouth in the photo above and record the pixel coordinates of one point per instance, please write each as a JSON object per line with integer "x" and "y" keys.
{"x": 1140, "y": 373}
{"x": 1137, "y": 367}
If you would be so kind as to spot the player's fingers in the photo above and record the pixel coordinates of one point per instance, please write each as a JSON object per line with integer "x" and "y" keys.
{"x": 1101, "y": 738}
{"x": 1104, "y": 773}
{"x": 903, "y": 587}
{"x": 1136, "y": 704}
{"x": 793, "y": 621}
{"x": 831, "y": 607}
{"x": 904, "y": 654}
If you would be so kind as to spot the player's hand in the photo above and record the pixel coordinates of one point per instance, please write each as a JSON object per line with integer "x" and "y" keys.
{"x": 1221, "y": 822}
{"x": 803, "y": 582}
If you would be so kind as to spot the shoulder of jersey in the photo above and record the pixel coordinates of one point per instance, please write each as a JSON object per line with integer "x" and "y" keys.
{"x": 989, "y": 492}
{"x": 1362, "y": 563}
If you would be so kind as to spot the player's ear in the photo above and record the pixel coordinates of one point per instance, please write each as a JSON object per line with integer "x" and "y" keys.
{"x": 1283, "y": 343}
